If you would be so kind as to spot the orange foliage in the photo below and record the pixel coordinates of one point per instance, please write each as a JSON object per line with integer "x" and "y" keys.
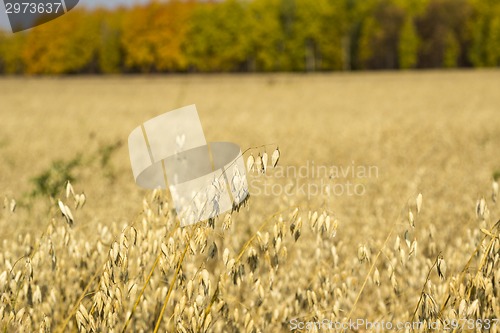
{"x": 65, "y": 45}
{"x": 153, "y": 35}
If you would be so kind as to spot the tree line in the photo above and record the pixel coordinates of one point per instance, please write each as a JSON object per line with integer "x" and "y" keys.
{"x": 260, "y": 36}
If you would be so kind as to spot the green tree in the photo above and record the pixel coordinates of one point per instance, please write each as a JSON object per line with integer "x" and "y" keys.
{"x": 493, "y": 42}
{"x": 267, "y": 35}
{"x": 320, "y": 28}
{"x": 408, "y": 45}
{"x": 314, "y": 34}
{"x": 484, "y": 26}
{"x": 11, "y": 48}
{"x": 218, "y": 37}
{"x": 380, "y": 35}
{"x": 304, "y": 44}
{"x": 451, "y": 51}
{"x": 346, "y": 17}
{"x": 370, "y": 29}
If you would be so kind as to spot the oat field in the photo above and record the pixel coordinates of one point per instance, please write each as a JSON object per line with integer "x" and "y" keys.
{"x": 382, "y": 207}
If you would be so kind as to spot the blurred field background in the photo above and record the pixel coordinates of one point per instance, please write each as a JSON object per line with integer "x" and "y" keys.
{"x": 434, "y": 132}
{"x": 428, "y": 130}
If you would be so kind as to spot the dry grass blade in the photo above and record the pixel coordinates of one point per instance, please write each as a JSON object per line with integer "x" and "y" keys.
{"x": 138, "y": 299}
{"x": 423, "y": 288}
{"x": 172, "y": 283}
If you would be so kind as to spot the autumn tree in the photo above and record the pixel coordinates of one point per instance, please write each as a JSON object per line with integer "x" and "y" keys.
{"x": 442, "y": 29}
{"x": 65, "y": 45}
{"x": 380, "y": 35}
{"x": 259, "y": 35}
{"x": 267, "y": 39}
{"x": 110, "y": 50}
{"x": 153, "y": 35}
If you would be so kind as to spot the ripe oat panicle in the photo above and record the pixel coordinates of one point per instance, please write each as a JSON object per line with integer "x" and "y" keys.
{"x": 264, "y": 162}
{"x": 419, "y": 202}
{"x": 494, "y": 194}
{"x": 441, "y": 267}
{"x": 250, "y": 163}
